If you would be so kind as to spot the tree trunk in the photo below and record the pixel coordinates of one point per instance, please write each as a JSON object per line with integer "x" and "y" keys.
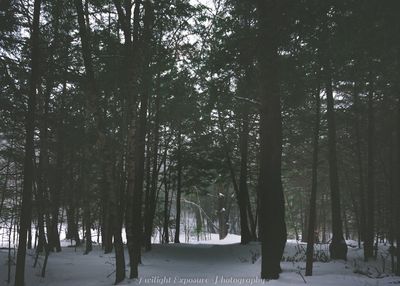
{"x": 346, "y": 224}
{"x": 42, "y": 178}
{"x": 222, "y": 218}
{"x": 29, "y": 246}
{"x": 108, "y": 205}
{"x": 86, "y": 210}
{"x": 118, "y": 242}
{"x": 313, "y": 196}
{"x": 72, "y": 211}
{"x": 139, "y": 145}
{"x": 178, "y": 189}
{"x": 130, "y": 169}
{"x": 9, "y": 260}
{"x": 91, "y": 87}
{"x": 338, "y": 247}
{"x": 53, "y": 234}
{"x": 398, "y": 190}
{"x": 55, "y": 241}
{"x": 304, "y": 229}
{"x": 357, "y": 121}
{"x": 115, "y": 194}
{"x": 26, "y": 207}
{"x": 151, "y": 204}
{"x": 369, "y": 234}
{"x": 240, "y": 194}
{"x": 323, "y": 206}
{"x": 243, "y": 199}
{"x": 165, "y": 237}
{"x": 271, "y": 200}
{"x": 129, "y": 65}
{"x": 5, "y": 186}
{"x": 92, "y": 111}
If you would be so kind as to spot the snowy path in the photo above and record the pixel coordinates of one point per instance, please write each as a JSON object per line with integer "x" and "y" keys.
{"x": 189, "y": 264}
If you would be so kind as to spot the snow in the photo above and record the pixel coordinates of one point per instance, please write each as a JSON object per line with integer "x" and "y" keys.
{"x": 209, "y": 262}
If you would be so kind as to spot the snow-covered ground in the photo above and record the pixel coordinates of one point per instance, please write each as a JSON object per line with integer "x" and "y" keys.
{"x": 210, "y": 262}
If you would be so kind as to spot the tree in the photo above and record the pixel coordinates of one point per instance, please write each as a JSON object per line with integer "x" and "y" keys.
{"x": 313, "y": 197}
{"x": 178, "y": 188}
{"x": 338, "y": 247}
{"x": 398, "y": 190}
{"x": 369, "y": 235}
{"x": 26, "y": 207}
{"x": 271, "y": 201}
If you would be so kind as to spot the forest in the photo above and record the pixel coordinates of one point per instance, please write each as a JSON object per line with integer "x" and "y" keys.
{"x": 156, "y": 137}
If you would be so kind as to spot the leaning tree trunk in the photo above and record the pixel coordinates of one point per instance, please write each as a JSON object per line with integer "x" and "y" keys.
{"x": 26, "y": 207}
{"x": 239, "y": 193}
{"x": 270, "y": 194}
{"x": 313, "y": 197}
{"x": 338, "y": 247}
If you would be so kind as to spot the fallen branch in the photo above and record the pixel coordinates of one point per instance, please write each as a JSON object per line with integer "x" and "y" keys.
{"x": 248, "y": 100}
{"x": 299, "y": 272}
